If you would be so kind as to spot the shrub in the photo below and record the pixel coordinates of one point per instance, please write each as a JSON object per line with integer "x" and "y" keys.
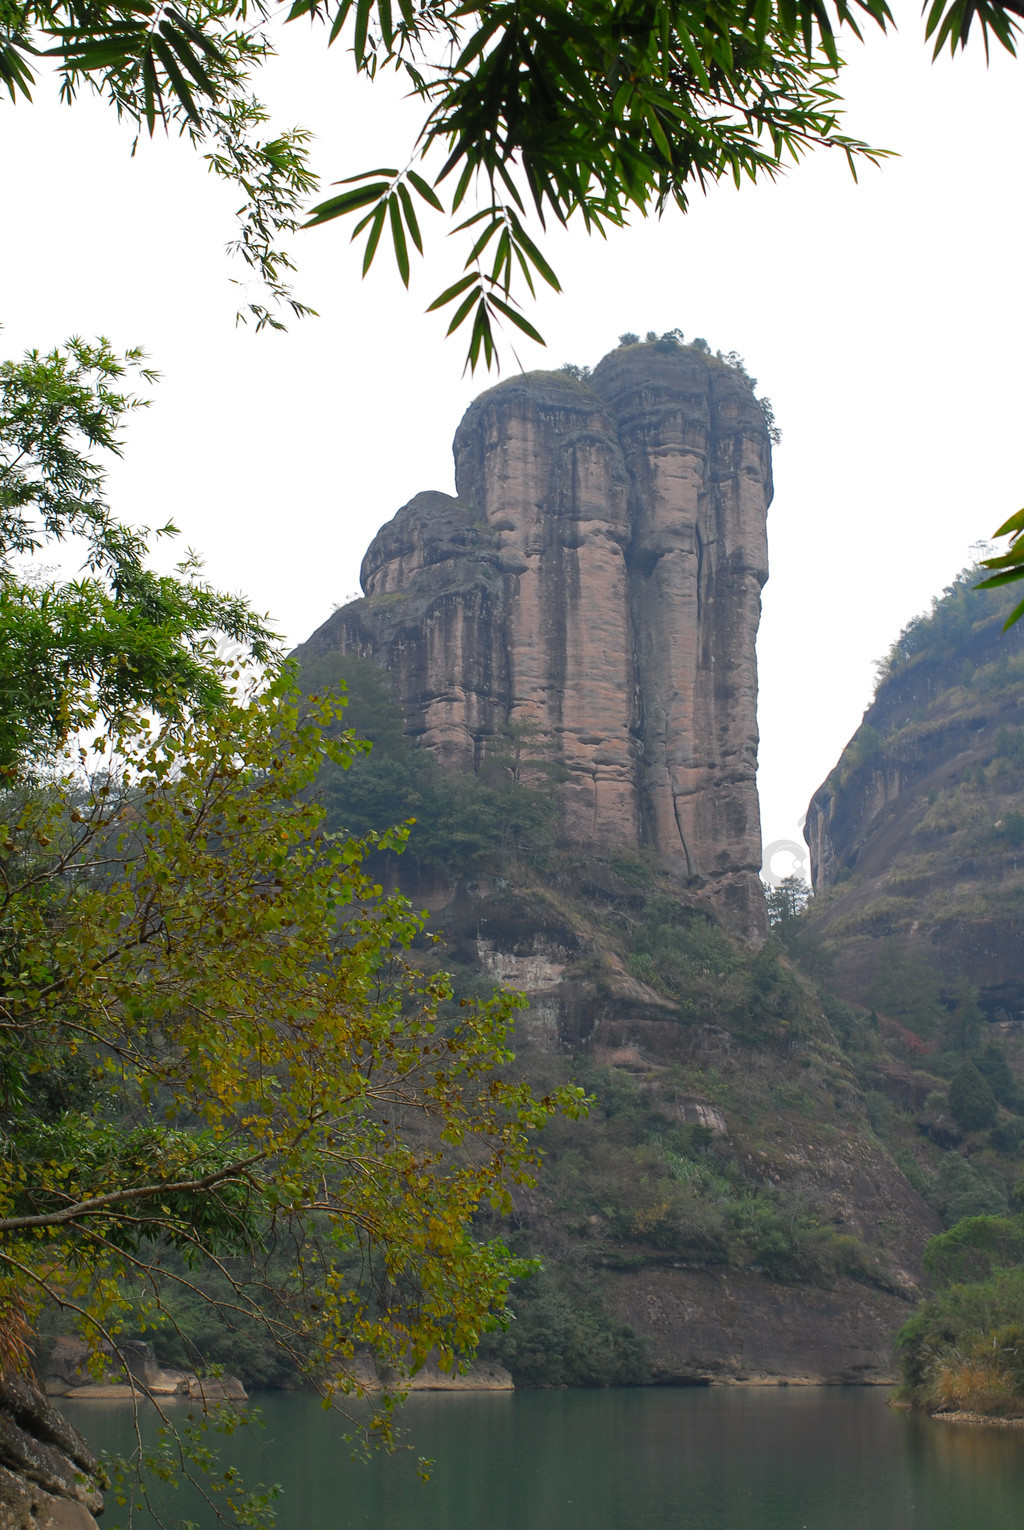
{"x": 995, "y": 1070}
{"x": 963, "y": 1189}
{"x": 1011, "y": 828}
{"x": 964, "y": 1349}
{"x": 971, "y": 1101}
{"x": 561, "y": 1334}
{"x": 974, "y": 1248}
{"x": 1007, "y": 1137}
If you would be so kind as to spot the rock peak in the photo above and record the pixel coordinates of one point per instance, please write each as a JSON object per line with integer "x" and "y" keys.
{"x": 597, "y": 577}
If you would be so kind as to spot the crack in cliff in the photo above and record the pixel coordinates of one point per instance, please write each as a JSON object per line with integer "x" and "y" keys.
{"x": 682, "y": 837}
{"x": 699, "y": 540}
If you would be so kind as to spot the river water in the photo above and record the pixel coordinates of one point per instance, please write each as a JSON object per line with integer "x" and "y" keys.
{"x": 729, "y": 1458}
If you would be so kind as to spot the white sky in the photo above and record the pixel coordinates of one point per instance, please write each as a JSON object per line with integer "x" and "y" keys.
{"x": 883, "y": 319}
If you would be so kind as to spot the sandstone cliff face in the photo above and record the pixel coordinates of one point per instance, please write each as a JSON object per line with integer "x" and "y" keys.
{"x": 598, "y": 579}
{"x": 914, "y": 839}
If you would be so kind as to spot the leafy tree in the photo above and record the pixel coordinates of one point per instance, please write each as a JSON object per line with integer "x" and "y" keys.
{"x": 262, "y": 1052}
{"x": 967, "y": 1189}
{"x": 585, "y": 110}
{"x": 119, "y": 635}
{"x": 964, "y": 1347}
{"x": 966, "y": 1020}
{"x": 971, "y": 1100}
{"x": 785, "y": 901}
{"x": 212, "y": 1040}
{"x": 974, "y": 1248}
{"x": 995, "y": 1070}
{"x": 1011, "y": 828}
{"x": 907, "y": 989}
{"x": 454, "y": 821}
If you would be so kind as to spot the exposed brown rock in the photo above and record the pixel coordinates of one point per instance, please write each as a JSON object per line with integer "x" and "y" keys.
{"x": 134, "y": 1371}
{"x": 46, "y": 1469}
{"x": 904, "y": 834}
{"x": 722, "y": 1326}
{"x": 598, "y": 577}
{"x": 481, "y": 1376}
{"x": 24, "y": 1505}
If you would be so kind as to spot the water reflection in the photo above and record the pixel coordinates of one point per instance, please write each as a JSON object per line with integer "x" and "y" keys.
{"x": 645, "y": 1459}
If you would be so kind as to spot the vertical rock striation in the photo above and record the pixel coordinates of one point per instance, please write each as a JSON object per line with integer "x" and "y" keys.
{"x": 597, "y": 578}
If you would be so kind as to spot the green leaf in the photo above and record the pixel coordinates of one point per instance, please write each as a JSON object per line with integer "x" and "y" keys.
{"x": 398, "y": 239}
{"x": 410, "y": 216}
{"x": 998, "y": 580}
{"x": 349, "y": 201}
{"x": 181, "y": 86}
{"x": 1014, "y": 524}
{"x": 453, "y": 291}
{"x": 387, "y": 30}
{"x": 530, "y": 250}
{"x": 484, "y": 239}
{"x": 462, "y": 311}
{"x": 425, "y": 190}
{"x": 341, "y": 16}
{"x": 363, "y": 9}
{"x": 517, "y": 319}
{"x": 374, "y": 236}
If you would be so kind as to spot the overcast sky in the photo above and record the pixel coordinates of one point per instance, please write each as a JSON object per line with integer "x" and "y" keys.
{"x": 884, "y": 320}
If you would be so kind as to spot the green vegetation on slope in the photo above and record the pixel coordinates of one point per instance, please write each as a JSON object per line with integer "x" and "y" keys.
{"x": 920, "y": 934}
{"x": 232, "y": 1109}
{"x": 920, "y": 827}
{"x": 461, "y": 822}
{"x": 944, "y": 1088}
{"x": 729, "y": 1138}
{"x": 963, "y": 1351}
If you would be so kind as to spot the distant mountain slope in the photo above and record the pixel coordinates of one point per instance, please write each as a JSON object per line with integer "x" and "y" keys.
{"x": 727, "y": 1210}
{"x": 917, "y": 836}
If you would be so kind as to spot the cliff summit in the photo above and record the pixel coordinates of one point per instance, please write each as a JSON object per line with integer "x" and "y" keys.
{"x": 595, "y": 581}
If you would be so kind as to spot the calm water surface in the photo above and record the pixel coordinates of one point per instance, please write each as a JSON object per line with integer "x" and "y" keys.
{"x": 804, "y": 1458}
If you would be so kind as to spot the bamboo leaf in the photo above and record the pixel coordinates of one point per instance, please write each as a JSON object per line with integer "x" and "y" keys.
{"x": 425, "y": 190}
{"x": 459, "y": 316}
{"x": 996, "y": 580}
{"x": 533, "y": 255}
{"x": 387, "y": 30}
{"x": 453, "y": 291}
{"x": 176, "y": 78}
{"x": 1014, "y": 524}
{"x": 363, "y": 9}
{"x": 349, "y": 201}
{"x": 374, "y": 236}
{"x": 398, "y": 239}
{"x": 517, "y": 319}
{"x": 410, "y": 216}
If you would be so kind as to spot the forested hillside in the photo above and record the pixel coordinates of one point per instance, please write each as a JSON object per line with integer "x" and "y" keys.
{"x": 917, "y": 842}
{"x": 917, "y": 836}
{"x": 728, "y": 1166}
